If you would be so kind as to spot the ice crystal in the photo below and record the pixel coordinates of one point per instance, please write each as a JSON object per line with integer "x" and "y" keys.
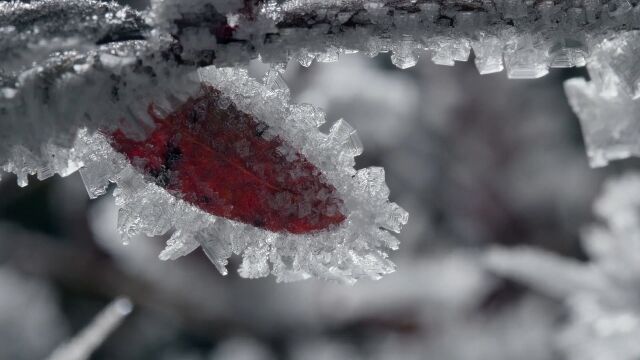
{"x": 529, "y": 36}
{"x": 602, "y": 295}
{"x": 608, "y": 104}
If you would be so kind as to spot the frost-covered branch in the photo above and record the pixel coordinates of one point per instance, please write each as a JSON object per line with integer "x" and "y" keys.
{"x": 32, "y": 31}
{"x": 602, "y": 294}
{"x": 609, "y": 104}
{"x": 87, "y": 341}
{"x": 530, "y": 36}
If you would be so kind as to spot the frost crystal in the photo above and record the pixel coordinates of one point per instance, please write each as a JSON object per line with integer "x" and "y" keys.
{"x": 603, "y": 295}
{"x": 608, "y": 105}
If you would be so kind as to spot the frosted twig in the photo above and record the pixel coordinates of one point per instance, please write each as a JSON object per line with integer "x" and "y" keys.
{"x": 531, "y": 36}
{"x": 608, "y": 105}
{"x": 31, "y": 31}
{"x": 536, "y": 268}
{"x": 92, "y": 336}
{"x": 602, "y": 295}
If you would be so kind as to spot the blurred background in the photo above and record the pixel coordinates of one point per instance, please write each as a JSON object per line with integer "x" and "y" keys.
{"x": 476, "y": 160}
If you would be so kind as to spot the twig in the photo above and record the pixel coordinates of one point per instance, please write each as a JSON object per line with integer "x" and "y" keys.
{"x": 92, "y": 336}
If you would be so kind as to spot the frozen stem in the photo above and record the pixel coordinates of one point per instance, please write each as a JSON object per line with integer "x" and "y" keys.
{"x": 92, "y": 336}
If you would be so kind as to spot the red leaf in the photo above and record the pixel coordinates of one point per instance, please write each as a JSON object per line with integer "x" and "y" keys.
{"x": 218, "y": 160}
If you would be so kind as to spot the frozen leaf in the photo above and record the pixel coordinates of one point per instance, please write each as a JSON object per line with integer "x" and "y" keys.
{"x": 227, "y": 163}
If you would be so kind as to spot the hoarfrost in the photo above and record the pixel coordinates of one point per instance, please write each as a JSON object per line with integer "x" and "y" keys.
{"x": 530, "y": 36}
{"x": 525, "y": 37}
{"x": 608, "y": 104}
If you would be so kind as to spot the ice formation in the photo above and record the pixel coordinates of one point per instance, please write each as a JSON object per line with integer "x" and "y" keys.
{"x": 609, "y": 104}
{"x": 602, "y": 295}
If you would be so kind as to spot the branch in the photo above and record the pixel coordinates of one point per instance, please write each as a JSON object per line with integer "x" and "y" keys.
{"x": 531, "y": 36}
{"x": 30, "y": 32}
{"x": 87, "y": 341}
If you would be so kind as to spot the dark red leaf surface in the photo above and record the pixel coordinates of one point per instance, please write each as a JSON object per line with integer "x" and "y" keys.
{"x": 218, "y": 160}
